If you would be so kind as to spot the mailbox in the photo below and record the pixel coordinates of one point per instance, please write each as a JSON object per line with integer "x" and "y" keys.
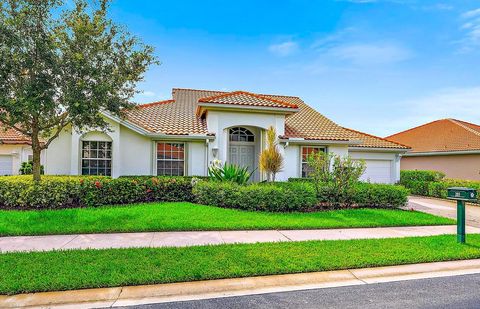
{"x": 462, "y": 194}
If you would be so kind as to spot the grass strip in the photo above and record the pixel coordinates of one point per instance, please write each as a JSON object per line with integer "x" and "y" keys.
{"x": 76, "y": 269}
{"x": 193, "y": 217}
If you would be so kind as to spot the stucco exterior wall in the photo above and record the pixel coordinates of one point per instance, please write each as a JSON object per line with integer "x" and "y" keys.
{"x": 465, "y": 166}
{"x": 19, "y": 154}
{"x": 135, "y": 153}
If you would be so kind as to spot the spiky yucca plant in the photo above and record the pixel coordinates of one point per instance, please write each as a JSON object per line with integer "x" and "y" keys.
{"x": 271, "y": 160}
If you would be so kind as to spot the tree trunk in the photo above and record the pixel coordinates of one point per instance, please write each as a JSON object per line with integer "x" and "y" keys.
{"x": 36, "y": 149}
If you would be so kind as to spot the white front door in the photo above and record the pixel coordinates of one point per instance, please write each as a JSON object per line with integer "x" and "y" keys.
{"x": 6, "y": 165}
{"x": 243, "y": 155}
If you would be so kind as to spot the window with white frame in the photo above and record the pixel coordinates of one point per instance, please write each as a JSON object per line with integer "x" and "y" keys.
{"x": 170, "y": 159}
{"x": 96, "y": 158}
{"x": 306, "y": 151}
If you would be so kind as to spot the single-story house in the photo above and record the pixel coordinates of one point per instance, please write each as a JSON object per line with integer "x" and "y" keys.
{"x": 447, "y": 145}
{"x": 183, "y": 135}
{"x": 14, "y": 149}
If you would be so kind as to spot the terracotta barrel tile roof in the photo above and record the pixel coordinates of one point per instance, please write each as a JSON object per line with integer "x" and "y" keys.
{"x": 247, "y": 99}
{"x": 441, "y": 135}
{"x": 11, "y": 136}
{"x": 178, "y": 116}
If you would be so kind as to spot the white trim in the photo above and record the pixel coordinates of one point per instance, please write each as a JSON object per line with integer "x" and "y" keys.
{"x": 248, "y": 108}
{"x": 319, "y": 142}
{"x": 441, "y": 153}
{"x": 185, "y": 156}
{"x": 372, "y": 149}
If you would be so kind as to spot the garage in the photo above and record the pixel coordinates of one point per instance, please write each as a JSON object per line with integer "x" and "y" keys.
{"x": 6, "y": 164}
{"x": 378, "y": 171}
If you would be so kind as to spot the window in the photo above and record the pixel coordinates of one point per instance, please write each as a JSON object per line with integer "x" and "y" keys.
{"x": 30, "y": 158}
{"x": 97, "y": 158}
{"x": 241, "y": 135}
{"x": 306, "y": 150}
{"x": 170, "y": 159}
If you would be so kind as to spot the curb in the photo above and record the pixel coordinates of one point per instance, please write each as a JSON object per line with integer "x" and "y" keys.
{"x": 195, "y": 290}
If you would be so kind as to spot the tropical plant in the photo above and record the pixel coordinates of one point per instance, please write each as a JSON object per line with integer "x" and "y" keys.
{"x": 27, "y": 168}
{"x": 230, "y": 172}
{"x": 271, "y": 160}
{"x": 62, "y": 64}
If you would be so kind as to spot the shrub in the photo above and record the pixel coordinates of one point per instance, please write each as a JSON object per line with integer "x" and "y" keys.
{"x": 20, "y": 192}
{"x": 416, "y": 175}
{"x": 230, "y": 172}
{"x": 274, "y": 197}
{"x": 271, "y": 160}
{"x": 364, "y": 195}
{"x": 27, "y": 168}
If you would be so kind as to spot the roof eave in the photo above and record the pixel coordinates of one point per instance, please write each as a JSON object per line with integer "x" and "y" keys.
{"x": 442, "y": 153}
{"x": 303, "y": 141}
{"x": 202, "y": 107}
{"x": 380, "y": 149}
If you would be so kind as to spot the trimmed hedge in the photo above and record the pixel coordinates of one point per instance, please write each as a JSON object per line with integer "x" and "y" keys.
{"x": 297, "y": 196}
{"x": 274, "y": 197}
{"x": 20, "y": 192}
{"x": 432, "y": 183}
{"x": 416, "y": 175}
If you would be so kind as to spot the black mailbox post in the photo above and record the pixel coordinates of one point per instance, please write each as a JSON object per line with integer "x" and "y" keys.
{"x": 461, "y": 195}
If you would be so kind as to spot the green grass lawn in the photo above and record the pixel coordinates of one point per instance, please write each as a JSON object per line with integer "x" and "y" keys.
{"x": 190, "y": 217}
{"x": 75, "y": 269}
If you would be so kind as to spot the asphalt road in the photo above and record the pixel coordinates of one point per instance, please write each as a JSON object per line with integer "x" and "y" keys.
{"x": 448, "y": 292}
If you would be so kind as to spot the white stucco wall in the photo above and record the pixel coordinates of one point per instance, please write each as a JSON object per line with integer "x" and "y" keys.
{"x": 136, "y": 153}
{"x": 291, "y": 168}
{"x": 196, "y": 154}
{"x": 19, "y": 154}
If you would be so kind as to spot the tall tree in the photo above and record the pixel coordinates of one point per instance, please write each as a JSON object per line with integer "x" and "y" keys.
{"x": 63, "y": 66}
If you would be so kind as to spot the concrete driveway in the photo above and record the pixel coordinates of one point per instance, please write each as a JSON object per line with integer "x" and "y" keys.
{"x": 444, "y": 208}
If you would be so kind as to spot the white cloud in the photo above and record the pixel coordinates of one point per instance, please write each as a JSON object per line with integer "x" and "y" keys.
{"x": 377, "y": 53}
{"x": 458, "y": 103}
{"x": 284, "y": 49}
{"x": 471, "y": 27}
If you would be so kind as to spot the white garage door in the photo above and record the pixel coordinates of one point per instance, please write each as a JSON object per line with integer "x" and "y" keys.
{"x": 5, "y": 165}
{"x": 378, "y": 171}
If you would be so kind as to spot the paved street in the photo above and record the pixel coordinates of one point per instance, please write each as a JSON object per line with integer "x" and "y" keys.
{"x": 444, "y": 208}
{"x": 447, "y": 292}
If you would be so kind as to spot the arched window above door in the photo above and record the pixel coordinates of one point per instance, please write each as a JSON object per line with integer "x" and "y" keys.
{"x": 239, "y": 134}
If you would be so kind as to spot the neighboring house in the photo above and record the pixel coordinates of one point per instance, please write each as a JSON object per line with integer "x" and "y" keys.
{"x": 182, "y": 136}
{"x": 14, "y": 149}
{"x": 448, "y": 145}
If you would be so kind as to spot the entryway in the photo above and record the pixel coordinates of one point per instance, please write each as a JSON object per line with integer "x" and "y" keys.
{"x": 241, "y": 150}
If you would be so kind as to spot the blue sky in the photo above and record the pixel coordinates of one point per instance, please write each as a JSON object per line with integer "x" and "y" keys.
{"x": 375, "y": 66}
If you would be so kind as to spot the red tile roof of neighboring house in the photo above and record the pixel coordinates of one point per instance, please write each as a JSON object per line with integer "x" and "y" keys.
{"x": 178, "y": 117}
{"x": 12, "y": 136}
{"x": 441, "y": 135}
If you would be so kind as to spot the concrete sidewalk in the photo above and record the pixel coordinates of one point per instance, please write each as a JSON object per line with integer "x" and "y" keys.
{"x": 445, "y": 208}
{"x": 183, "y": 239}
{"x": 171, "y": 292}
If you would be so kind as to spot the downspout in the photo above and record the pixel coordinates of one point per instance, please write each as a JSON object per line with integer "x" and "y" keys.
{"x": 207, "y": 141}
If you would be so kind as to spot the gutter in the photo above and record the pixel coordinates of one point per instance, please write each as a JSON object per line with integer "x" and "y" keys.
{"x": 372, "y": 149}
{"x": 319, "y": 141}
{"x": 442, "y": 153}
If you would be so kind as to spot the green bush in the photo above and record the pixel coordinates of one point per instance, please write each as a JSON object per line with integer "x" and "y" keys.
{"x": 364, "y": 195}
{"x": 27, "y": 168}
{"x": 274, "y": 197}
{"x": 20, "y": 192}
{"x": 416, "y": 175}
